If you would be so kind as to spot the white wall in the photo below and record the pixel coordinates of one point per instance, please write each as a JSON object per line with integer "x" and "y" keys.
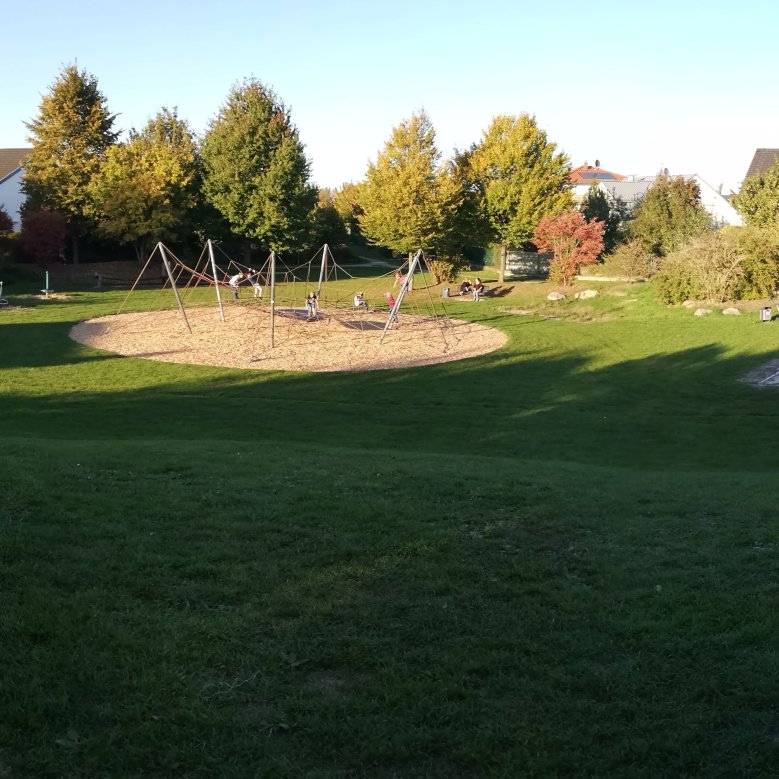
{"x": 12, "y": 197}
{"x": 719, "y": 208}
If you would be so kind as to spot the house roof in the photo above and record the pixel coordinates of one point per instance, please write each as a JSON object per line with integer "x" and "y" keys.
{"x": 586, "y": 174}
{"x": 762, "y": 161}
{"x": 11, "y": 160}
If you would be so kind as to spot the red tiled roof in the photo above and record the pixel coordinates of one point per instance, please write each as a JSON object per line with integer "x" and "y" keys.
{"x": 586, "y": 174}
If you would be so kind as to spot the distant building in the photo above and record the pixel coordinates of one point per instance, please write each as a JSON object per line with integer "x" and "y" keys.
{"x": 583, "y": 177}
{"x": 762, "y": 161}
{"x": 631, "y": 189}
{"x": 11, "y": 196}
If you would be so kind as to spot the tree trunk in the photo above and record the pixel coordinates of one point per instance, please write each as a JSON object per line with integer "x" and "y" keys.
{"x": 502, "y": 269}
{"x": 74, "y": 246}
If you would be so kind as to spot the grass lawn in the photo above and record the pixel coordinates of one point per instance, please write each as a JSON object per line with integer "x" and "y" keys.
{"x": 559, "y": 559}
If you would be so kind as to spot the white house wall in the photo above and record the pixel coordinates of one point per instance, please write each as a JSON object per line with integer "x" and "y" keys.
{"x": 12, "y": 197}
{"x": 721, "y": 211}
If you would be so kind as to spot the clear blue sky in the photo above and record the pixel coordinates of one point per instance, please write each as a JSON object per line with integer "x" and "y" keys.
{"x": 688, "y": 85}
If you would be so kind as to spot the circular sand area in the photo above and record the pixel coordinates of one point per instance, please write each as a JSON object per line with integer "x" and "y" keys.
{"x": 339, "y": 341}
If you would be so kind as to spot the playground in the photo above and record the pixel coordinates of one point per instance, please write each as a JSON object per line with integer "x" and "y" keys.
{"x": 335, "y": 327}
{"x": 327, "y": 344}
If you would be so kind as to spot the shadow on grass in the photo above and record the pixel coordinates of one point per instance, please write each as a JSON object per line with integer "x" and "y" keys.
{"x": 684, "y": 409}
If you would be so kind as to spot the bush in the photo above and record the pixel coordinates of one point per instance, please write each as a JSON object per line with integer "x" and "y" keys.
{"x": 447, "y": 268}
{"x": 630, "y": 259}
{"x": 709, "y": 268}
{"x": 760, "y": 247}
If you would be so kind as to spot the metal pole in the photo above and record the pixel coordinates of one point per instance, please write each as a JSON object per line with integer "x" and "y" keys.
{"x": 173, "y": 285}
{"x": 403, "y": 289}
{"x": 322, "y": 268}
{"x": 216, "y": 281}
{"x": 272, "y": 298}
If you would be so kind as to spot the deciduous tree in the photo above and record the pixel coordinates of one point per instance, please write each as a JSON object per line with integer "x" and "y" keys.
{"x": 256, "y": 173}
{"x": 346, "y": 200}
{"x": 574, "y": 241}
{"x": 521, "y": 178}
{"x": 43, "y": 235}
{"x": 408, "y": 200}
{"x": 327, "y": 226}
{"x": 69, "y": 137}
{"x": 145, "y": 188}
{"x": 758, "y": 199}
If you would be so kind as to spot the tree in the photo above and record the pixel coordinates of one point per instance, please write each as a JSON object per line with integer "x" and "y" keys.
{"x": 43, "y": 235}
{"x": 521, "y": 178}
{"x": 145, "y": 188}
{"x": 327, "y": 226}
{"x": 255, "y": 171}
{"x": 346, "y": 200}
{"x": 612, "y": 211}
{"x": 574, "y": 241}
{"x": 408, "y": 199}
{"x": 669, "y": 215}
{"x": 6, "y": 222}
{"x": 69, "y": 140}
{"x": 758, "y": 199}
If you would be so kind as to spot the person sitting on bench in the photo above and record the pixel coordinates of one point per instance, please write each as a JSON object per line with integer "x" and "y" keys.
{"x": 465, "y": 287}
{"x": 478, "y": 289}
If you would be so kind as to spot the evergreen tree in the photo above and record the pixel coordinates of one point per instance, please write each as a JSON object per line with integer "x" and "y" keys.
{"x": 669, "y": 215}
{"x": 145, "y": 189}
{"x": 69, "y": 140}
{"x": 408, "y": 199}
{"x": 255, "y": 171}
{"x": 521, "y": 178}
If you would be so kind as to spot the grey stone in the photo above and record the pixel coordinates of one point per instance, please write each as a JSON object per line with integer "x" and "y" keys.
{"x": 731, "y": 312}
{"x": 555, "y": 296}
{"x": 586, "y": 293}
{"x": 702, "y": 311}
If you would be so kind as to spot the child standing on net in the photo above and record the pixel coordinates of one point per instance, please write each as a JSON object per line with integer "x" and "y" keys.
{"x": 311, "y": 306}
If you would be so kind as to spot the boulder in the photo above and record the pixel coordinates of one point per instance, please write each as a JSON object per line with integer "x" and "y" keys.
{"x": 702, "y": 311}
{"x": 689, "y": 304}
{"x": 586, "y": 293}
{"x": 555, "y": 296}
{"x": 731, "y": 312}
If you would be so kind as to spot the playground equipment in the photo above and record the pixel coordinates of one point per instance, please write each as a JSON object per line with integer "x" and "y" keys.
{"x": 276, "y": 315}
{"x": 46, "y": 289}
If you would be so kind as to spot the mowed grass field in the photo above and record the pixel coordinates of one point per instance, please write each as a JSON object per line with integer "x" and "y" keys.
{"x": 558, "y": 559}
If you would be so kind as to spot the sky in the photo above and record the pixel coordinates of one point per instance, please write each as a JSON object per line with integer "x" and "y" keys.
{"x": 641, "y": 86}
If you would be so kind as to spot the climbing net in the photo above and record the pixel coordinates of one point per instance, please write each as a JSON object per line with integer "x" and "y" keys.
{"x": 272, "y": 300}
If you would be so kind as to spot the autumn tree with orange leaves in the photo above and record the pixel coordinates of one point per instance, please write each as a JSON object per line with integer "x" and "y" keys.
{"x": 574, "y": 241}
